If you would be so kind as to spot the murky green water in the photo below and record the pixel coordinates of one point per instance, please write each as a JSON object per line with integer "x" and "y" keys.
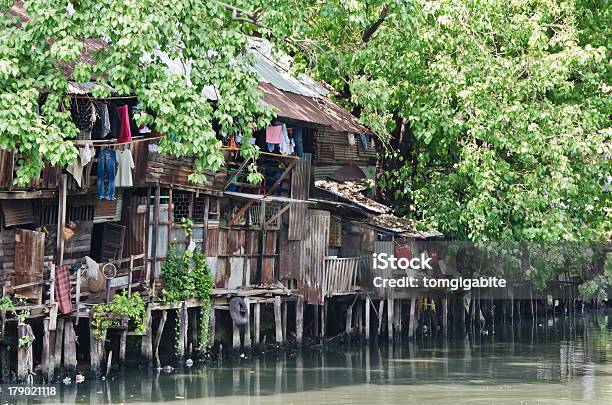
{"x": 564, "y": 362}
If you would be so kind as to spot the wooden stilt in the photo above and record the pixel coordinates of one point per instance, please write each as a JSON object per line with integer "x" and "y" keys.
{"x": 277, "y": 319}
{"x": 390, "y": 312}
{"x": 182, "y": 337}
{"x": 315, "y": 323}
{"x": 123, "y": 341}
{"x": 213, "y": 326}
{"x": 95, "y": 352}
{"x": 412, "y": 320}
{"x": 70, "y": 360}
{"x": 4, "y": 364}
{"x": 109, "y": 362}
{"x": 323, "y": 319}
{"x": 299, "y": 319}
{"x": 236, "y": 336}
{"x": 368, "y": 303}
{"x": 445, "y": 316}
{"x": 398, "y": 318}
{"x": 381, "y": 308}
{"x": 348, "y": 327}
{"x": 247, "y": 327}
{"x": 24, "y": 352}
{"x": 284, "y": 318}
{"x": 158, "y": 336}
{"x": 58, "y": 344}
{"x": 146, "y": 348}
{"x": 257, "y": 322}
{"x": 46, "y": 359}
{"x": 193, "y": 330}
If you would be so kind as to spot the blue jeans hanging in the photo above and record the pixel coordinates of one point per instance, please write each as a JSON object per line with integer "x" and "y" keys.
{"x": 106, "y": 166}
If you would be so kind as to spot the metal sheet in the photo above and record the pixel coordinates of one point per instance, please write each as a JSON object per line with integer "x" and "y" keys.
{"x": 17, "y": 212}
{"x": 314, "y": 250}
{"x": 319, "y": 111}
{"x": 300, "y": 187}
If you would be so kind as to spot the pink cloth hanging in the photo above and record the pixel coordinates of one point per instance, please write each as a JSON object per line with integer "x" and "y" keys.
{"x": 274, "y": 134}
{"x": 126, "y": 134}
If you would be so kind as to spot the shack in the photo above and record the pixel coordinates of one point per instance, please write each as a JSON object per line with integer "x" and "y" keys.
{"x": 76, "y": 238}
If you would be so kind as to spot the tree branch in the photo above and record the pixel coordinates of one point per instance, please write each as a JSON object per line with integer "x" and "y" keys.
{"x": 367, "y": 34}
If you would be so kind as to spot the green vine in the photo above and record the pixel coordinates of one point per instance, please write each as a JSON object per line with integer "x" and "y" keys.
{"x": 5, "y": 303}
{"x": 105, "y": 315}
{"x": 24, "y": 314}
{"x": 185, "y": 276}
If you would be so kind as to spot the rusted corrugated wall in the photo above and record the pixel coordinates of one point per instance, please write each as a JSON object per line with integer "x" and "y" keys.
{"x": 300, "y": 186}
{"x": 313, "y": 251}
{"x": 233, "y": 253}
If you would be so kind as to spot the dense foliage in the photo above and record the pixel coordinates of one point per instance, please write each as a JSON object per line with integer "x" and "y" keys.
{"x": 125, "y": 45}
{"x": 122, "y": 305}
{"x": 186, "y": 275}
{"x": 496, "y": 112}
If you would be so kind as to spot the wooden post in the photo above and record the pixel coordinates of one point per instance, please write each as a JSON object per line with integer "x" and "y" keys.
{"x": 315, "y": 322}
{"x": 57, "y": 346}
{"x": 47, "y": 358}
{"x": 205, "y": 229}
{"x": 154, "y": 235}
{"x": 146, "y": 348}
{"x": 146, "y": 237}
{"x": 182, "y": 337}
{"x": 235, "y": 336}
{"x": 348, "y": 327}
{"x": 247, "y": 327}
{"x": 24, "y": 352}
{"x": 412, "y": 321}
{"x": 284, "y": 318}
{"x": 323, "y": 318}
{"x": 70, "y": 360}
{"x": 109, "y": 362}
{"x": 94, "y": 351}
{"x": 277, "y": 319}
{"x": 212, "y": 322}
{"x": 299, "y": 319}
{"x": 445, "y": 316}
{"x": 193, "y": 330}
{"x": 368, "y": 303}
{"x": 61, "y": 218}
{"x": 390, "y": 312}
{"x": 257, "y": 317}
{"x": 381, "y": 308}
{"x": 123, "y": 341}
{"x": 158, "y": 336}
{"x": 398, "y": 318}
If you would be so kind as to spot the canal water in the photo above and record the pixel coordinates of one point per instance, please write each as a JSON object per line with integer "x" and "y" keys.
{"x": 559, "y": 361}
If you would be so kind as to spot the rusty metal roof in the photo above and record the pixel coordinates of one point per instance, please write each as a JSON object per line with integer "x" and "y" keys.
{"x": 315, "y": 110}
{"x": 376, "y": 214}
{"x": 351, "y": 191}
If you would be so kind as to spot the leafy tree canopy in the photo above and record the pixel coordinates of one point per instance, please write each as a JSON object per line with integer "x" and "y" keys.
{"x": 44, "y": 44}
{"x": 496, "y": 112}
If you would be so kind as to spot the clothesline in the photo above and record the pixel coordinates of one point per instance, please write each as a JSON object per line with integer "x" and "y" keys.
{"x": 97, "y": 143}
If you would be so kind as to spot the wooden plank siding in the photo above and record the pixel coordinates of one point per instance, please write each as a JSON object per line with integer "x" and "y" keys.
{"x": 29, "y": 261}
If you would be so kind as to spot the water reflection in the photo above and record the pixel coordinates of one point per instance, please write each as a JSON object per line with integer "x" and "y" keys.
{"x": 568, "y": 361}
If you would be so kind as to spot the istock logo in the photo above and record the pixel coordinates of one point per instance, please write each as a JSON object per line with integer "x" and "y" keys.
{"x": 383, "y": 261}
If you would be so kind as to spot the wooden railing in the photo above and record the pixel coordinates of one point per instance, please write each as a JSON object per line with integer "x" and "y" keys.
{"x": 340, "y": 275}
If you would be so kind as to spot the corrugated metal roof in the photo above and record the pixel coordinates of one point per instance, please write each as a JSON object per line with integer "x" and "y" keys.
{"x": 320, "y": 111}
{"x": 274, "y": 68}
